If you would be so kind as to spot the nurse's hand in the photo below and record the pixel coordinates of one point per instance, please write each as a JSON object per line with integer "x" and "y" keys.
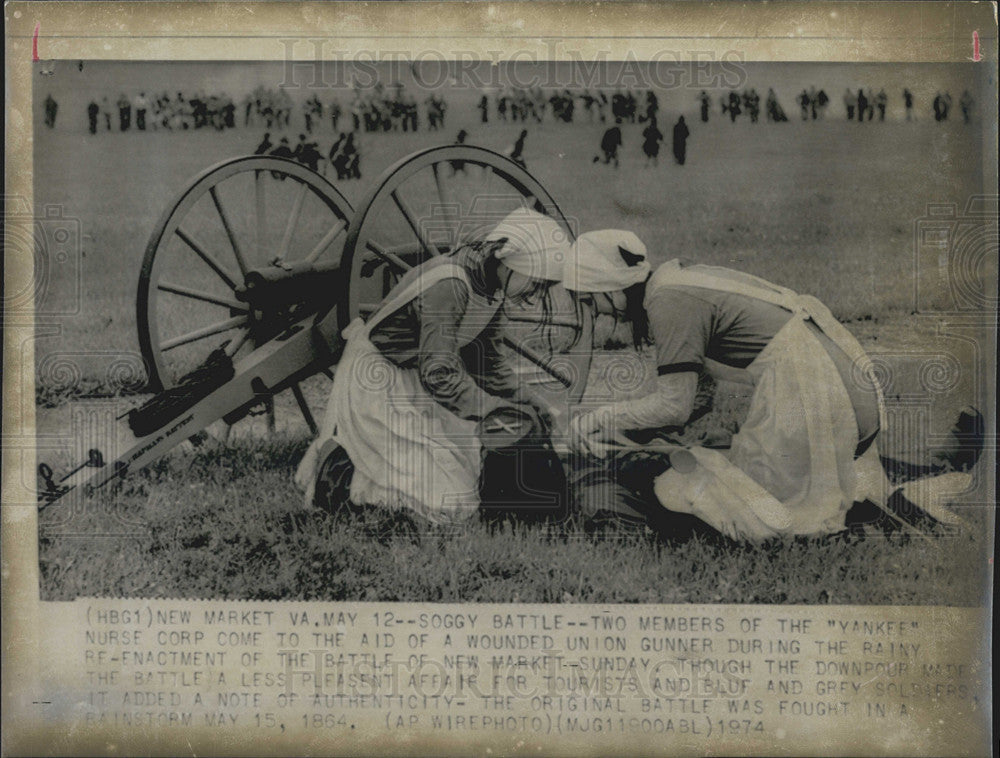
{"x": 546, "y": 413}
{"x": 589, "y": 432}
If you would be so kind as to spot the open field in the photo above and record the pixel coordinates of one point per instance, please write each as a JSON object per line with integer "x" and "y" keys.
{"x": 825, "y": 208}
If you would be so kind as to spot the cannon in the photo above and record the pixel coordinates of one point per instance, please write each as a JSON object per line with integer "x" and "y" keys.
{"x": 257, "y": 266}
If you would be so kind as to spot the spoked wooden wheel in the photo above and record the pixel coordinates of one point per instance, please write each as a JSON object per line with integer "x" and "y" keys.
{"x": 430, "y": 204}
{"x": 237, "y": 224}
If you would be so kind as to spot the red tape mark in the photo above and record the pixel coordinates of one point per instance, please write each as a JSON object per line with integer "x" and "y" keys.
{"x": 975, "y": 47}
{"x": 34, "y": 45}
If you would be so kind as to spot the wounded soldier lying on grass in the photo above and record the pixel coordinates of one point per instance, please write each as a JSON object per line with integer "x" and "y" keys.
{"x": 807, "y": 449}
{"x": 400, "y": 429}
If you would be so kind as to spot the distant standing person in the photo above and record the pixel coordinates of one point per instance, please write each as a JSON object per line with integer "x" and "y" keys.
{"x": 681, "y": 134}
{"x": 881, "y": 99}
{"x": 484, "y": 109}
{"x": 822, "y": 100}
{"x": 850, "y": 103}
{"x": 652, "y": 105}
{"x": 124, "y": 113}
{"x": 705, "y": 104}
{"x": 652, "y": 137}
{"x": 965, "y": 103}
{"x": 353, "y": 154}
{"x": 753, "y": 105}
{"x": 516, "y": 153}
{"x": 345, "y": 157}
{"x": 140, "y": 104}
{"x": 333, "y": 155}
{"x": 862, "y": 105}
{"x": 945, "y": 106}
{"x": 908, "y": 102}
{"x": 773, "y": 108}
{"x": 92, "y": 112}
{"x": 734, "y": 106}
{"x": 803, "y": 99}
{"x": 610, "y": 142}
{"x": 51, "y": 107}
{"x": 457, "y": 166}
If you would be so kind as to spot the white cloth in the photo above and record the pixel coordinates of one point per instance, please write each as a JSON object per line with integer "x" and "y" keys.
{"x": 407, "y": 449}
{"x": 596, "y": 263}
{"x": 791, "y": 467}
{"x": 537, "y": 246}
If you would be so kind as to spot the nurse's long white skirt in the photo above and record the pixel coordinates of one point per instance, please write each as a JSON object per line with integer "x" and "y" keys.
{"x": 791, "y": 467}
{"x": 408, "y": 450}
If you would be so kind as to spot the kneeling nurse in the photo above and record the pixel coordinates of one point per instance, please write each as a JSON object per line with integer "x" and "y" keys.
{"x": 417, "y": 376}
{"x": 806, "y": 450}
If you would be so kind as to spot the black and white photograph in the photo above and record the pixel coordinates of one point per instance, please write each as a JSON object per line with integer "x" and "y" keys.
{"x": 599, "y": 360}
{"x": 658, "y": 334}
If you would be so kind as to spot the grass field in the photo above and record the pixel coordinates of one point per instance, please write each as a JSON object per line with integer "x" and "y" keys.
{"x": 227, "y": 525}
{"x": 825, "y": 208}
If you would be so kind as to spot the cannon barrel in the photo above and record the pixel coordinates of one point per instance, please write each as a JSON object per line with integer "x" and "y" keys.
{"x": 281, "y": 284}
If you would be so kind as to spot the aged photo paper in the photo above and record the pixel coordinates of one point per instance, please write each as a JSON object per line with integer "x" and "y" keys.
{"x": 499, "y": 378}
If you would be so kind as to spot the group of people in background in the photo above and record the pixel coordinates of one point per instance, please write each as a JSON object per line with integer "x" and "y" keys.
{"x": 734, "y": 104}
{"x": 612, "y": 142}
{"x": 812, "y": 102}
{"x": 381, "y": 109}
{"x": 942, "y": 104}
{"x": 860, "y": 105}
{"x": 268, "y": 107}
{"x": 344, "y": 155}
{"x": 864, "y": 104}
{"x": 652, "y": 137}
{"x": 152, "y": 112}
{"x": 533, "y": 104}
{"x": 392, "y": 108}
{"x": 384, "y": 109}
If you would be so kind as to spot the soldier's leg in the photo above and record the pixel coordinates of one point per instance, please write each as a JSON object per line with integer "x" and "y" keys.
{"x": 616, "y": 489}
{"x": 618, "y": 492}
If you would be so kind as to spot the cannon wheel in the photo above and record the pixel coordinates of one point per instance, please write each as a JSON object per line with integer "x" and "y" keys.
{"x": 235, "y": 216}
{"x": 433, "y": 201}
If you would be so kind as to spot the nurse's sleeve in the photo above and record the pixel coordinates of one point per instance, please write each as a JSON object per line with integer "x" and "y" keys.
{"x": 442, "y": 371}
{"x": 680, "y": 325}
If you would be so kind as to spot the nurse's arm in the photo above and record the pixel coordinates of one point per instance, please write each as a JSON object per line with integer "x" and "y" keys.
{"x": 680, "y": 324}
{"x": 669, "y": 405}
{"x": 442, "y": 373}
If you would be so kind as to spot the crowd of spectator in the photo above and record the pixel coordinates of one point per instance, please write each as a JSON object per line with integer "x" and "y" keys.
{"x": 144, "y": 112}
{"x": 393, "y": 109}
